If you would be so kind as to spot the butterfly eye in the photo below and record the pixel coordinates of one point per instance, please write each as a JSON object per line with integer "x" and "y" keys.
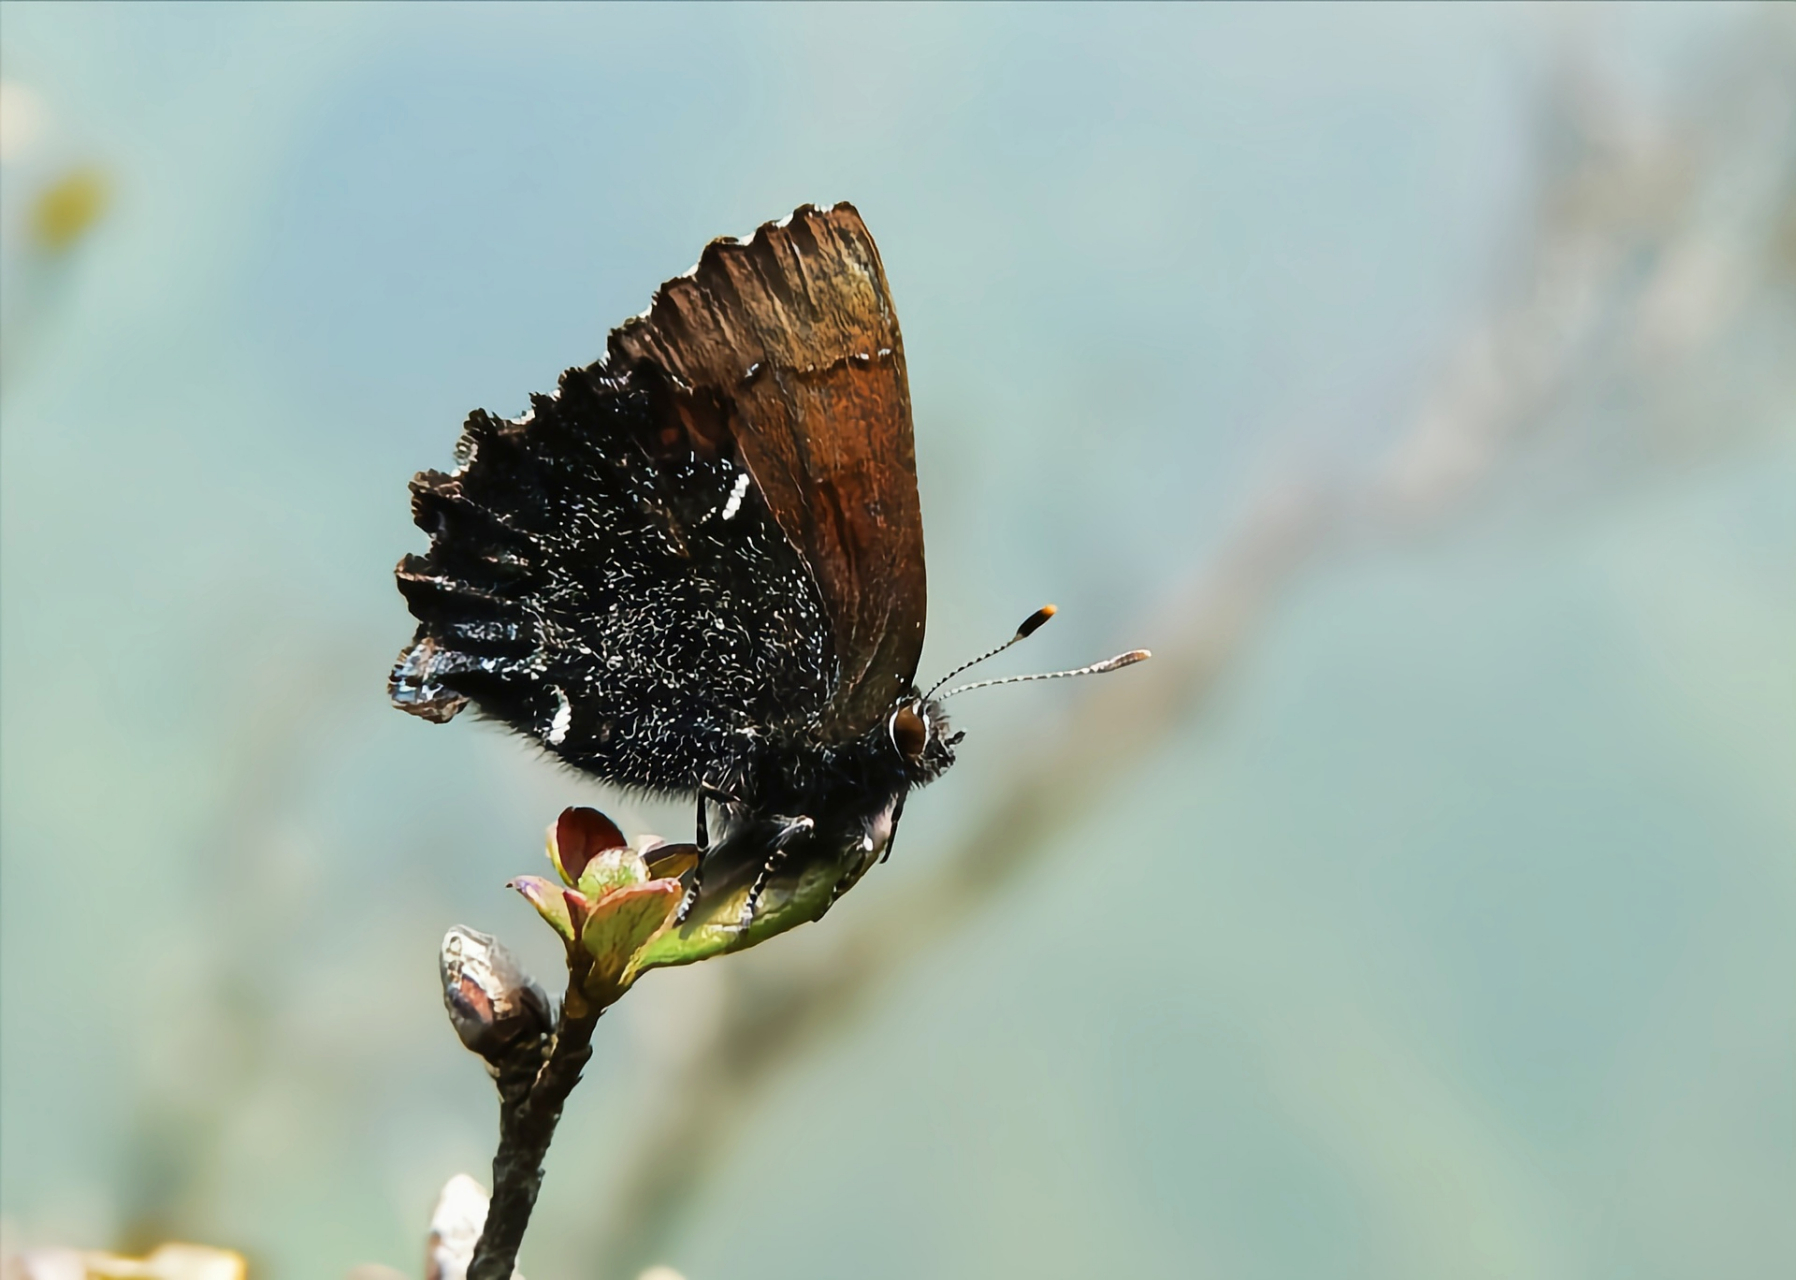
{"x": 909, "y": 733}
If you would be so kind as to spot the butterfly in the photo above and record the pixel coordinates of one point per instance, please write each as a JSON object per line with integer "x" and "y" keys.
{"x": 696, "y": 568}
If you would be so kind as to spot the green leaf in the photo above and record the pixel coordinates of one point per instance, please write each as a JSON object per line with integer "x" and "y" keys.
{"x": 714, "y": 926}
{"x": 616, "y": 928}
{"x": 666, "y": 861}
{"x": 550, "y": 901}
{"x": 611, "y": 870}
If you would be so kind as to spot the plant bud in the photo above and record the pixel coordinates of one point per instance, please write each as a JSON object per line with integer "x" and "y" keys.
{"x": 492, "y": 1002}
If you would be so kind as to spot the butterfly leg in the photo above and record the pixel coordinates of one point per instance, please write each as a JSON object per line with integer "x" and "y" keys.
{"x": 715, "y": 795}
{"x": 776, "y": 854}
{"x": 706, "y": 793}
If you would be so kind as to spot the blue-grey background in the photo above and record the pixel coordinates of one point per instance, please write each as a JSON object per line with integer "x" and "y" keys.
{"x": 1452, "y": 934}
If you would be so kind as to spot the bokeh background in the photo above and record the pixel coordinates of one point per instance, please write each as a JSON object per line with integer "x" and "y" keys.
{"x": 1420, "y": 383}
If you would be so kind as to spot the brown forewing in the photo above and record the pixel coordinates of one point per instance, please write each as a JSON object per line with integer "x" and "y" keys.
{"x": 788, "y": 343}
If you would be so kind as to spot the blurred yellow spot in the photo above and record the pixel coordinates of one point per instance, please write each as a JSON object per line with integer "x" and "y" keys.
{"x": 170, "y": 1262}
{"x": 68, "y": 207}
{"x": 661, "y": 1273}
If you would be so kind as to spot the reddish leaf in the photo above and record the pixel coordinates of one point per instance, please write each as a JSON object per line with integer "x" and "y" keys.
{"x": 579, "y": 836}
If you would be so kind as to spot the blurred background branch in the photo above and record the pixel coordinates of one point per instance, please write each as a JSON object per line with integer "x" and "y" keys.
{"x": 1625, "y": 283}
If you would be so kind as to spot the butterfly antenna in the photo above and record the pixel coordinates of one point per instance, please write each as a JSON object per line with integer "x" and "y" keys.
{"x": 1031, "y": 625}
{"x": 1117, "y": 663}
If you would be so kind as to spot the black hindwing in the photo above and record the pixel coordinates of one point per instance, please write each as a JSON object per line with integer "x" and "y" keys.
{"x": 633, "y": 607}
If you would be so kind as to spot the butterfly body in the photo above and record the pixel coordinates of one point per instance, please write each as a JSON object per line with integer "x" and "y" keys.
{"x": 804, "y": 804}
{"x": 696, "y": 568}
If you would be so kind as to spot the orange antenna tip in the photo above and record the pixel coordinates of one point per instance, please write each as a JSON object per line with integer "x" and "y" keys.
{"x": 1034, "y": 621}
{"x": 1030, "y": 626}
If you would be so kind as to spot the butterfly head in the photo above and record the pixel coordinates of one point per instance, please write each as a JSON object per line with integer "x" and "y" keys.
{"x": 918, "y": 729}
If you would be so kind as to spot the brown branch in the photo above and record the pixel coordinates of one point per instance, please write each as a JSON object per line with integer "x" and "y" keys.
{"x": 532, "y": 1091}
{"x": 503, "y": 1016}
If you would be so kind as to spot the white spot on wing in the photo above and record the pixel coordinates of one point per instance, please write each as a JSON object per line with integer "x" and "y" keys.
{"x": 734, "y": 505}
{"x": 563, "y": 721}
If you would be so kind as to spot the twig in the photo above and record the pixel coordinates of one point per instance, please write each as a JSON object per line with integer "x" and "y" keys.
{"x": 503, "y": 1016}
{"x": 614, "y": 915}
{"x": 531, "y": 1094}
